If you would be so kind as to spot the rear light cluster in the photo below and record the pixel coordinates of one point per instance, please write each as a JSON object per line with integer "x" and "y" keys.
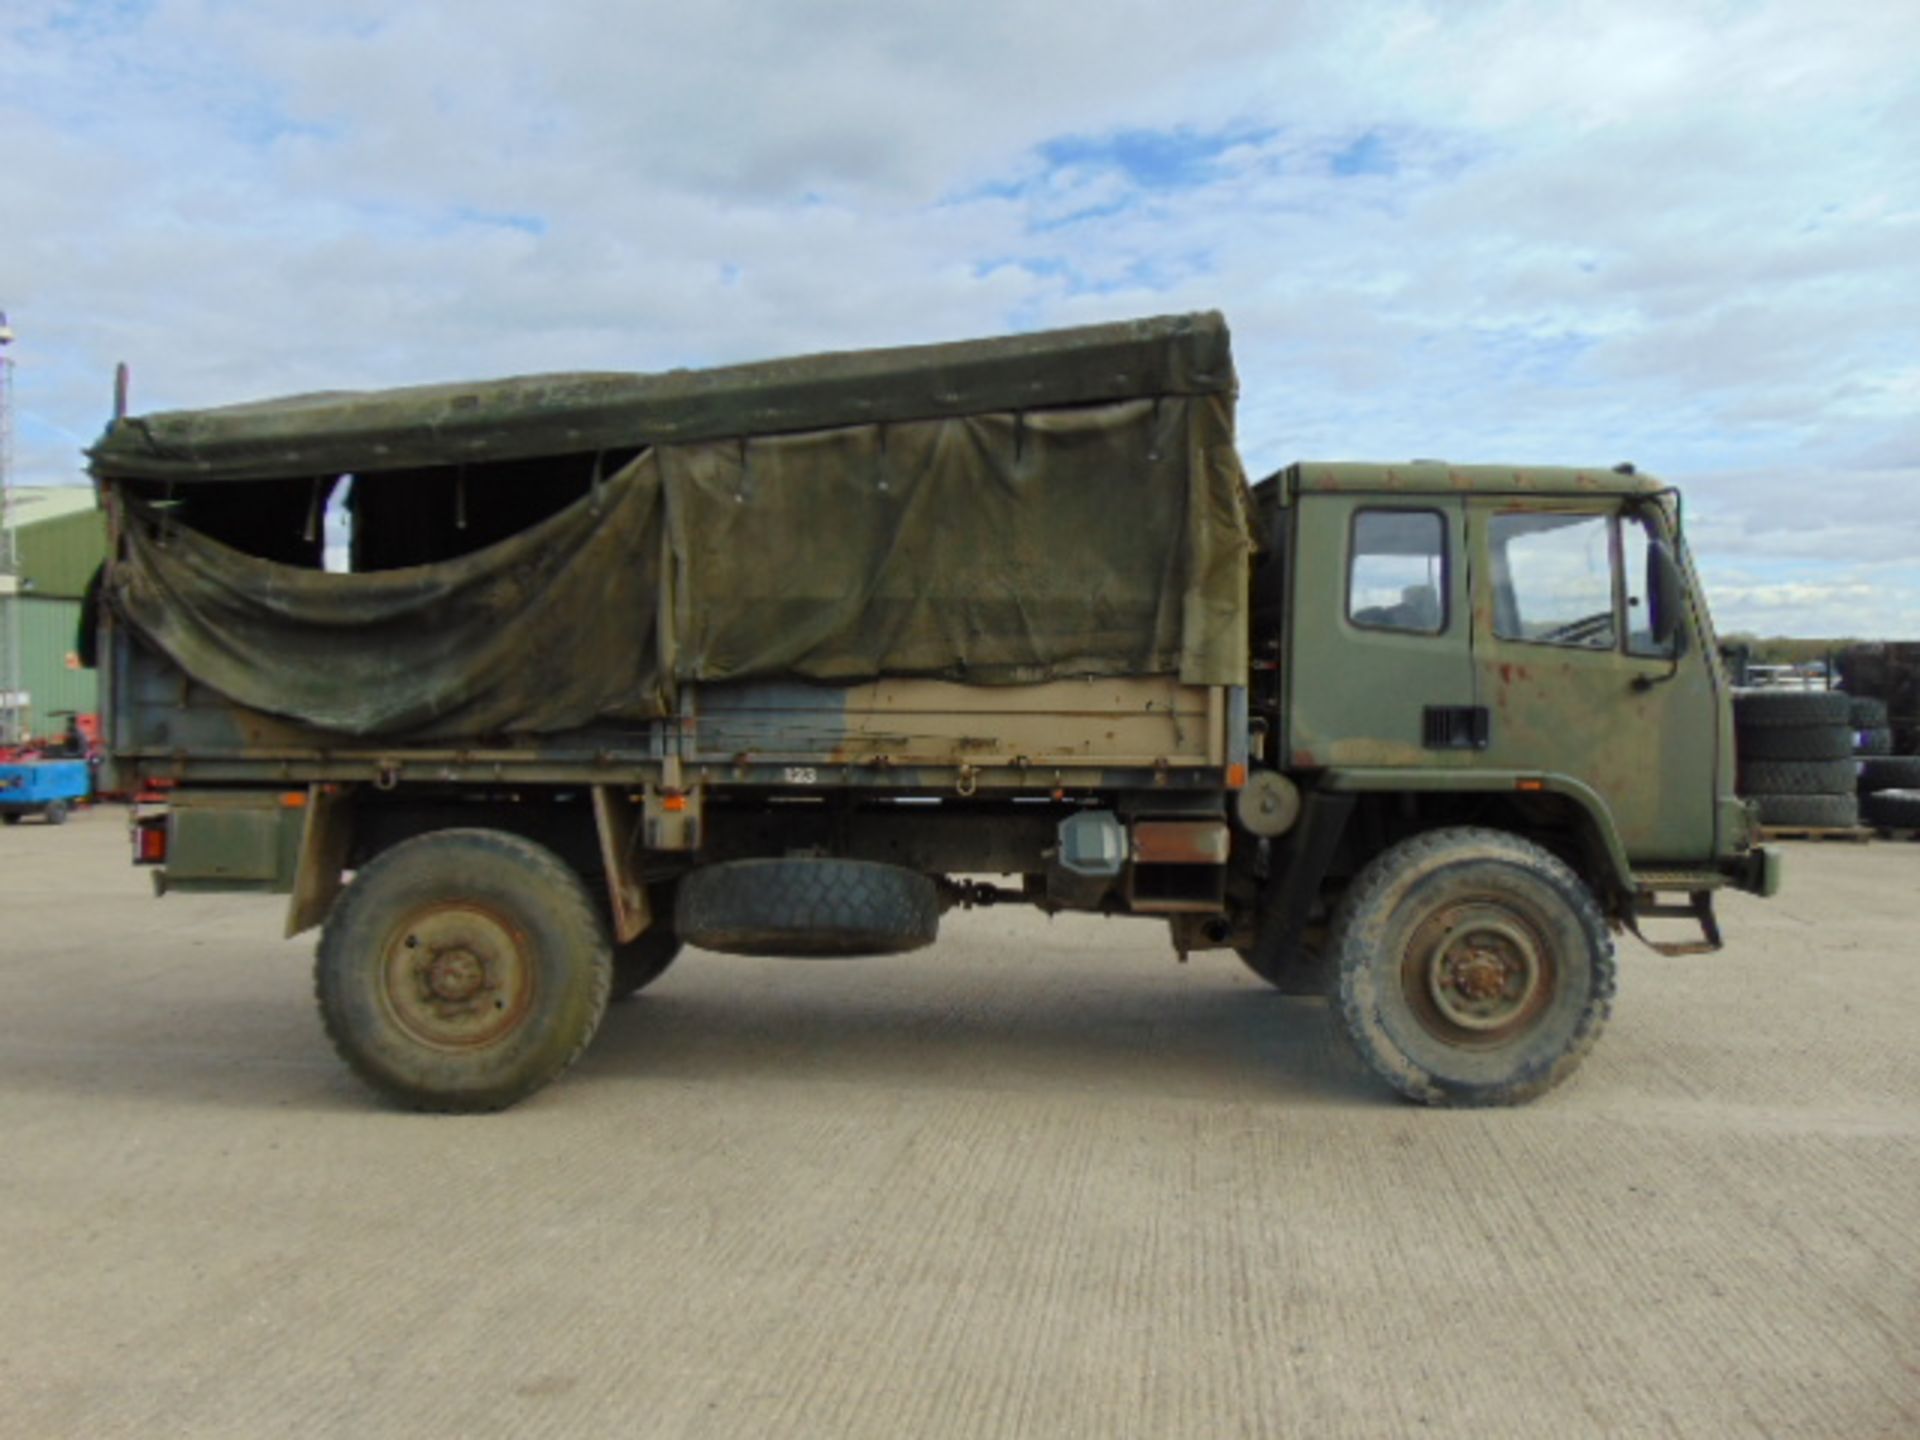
{"x": 150, "y": 840}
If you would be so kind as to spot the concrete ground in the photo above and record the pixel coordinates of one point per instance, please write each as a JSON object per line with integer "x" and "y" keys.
{"x": 1040, "y": 1181}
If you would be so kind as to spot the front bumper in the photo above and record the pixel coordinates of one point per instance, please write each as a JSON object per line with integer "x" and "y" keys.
{"x": 1757, "y": 872}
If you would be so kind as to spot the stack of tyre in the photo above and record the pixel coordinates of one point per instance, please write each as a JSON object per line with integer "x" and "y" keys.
{"x": 1796, "y": 757}
{"x": 1872, "y": 730}
{"x": 1889, "y": 784}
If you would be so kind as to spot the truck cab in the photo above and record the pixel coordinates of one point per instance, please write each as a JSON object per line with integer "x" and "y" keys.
{"x": 1537, "y": 631}
{"x": 1516, "y": 652}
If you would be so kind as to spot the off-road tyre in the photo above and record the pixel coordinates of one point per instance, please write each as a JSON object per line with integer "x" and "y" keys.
{"x": 1892, "y": 809}
{"x": 643, "y": 960}
{"x": 1889, "y": 772}
{"x": 1813, "y": 812}
{"x": 55, "y": 813}
{"x": 511, "y": 981}
{"x": 1874, "y": 742}
{"x": 1797, "y": 777}
{"x": 1795, "y": 742}
{"x": 807, "y": 907}
{"x": 1792, "y": 707}
{"x": 1867, "y": 713}
{"x": 1408, "y": 919}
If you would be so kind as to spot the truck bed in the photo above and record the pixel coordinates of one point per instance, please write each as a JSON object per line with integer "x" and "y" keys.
{"x": 894, "y": 734}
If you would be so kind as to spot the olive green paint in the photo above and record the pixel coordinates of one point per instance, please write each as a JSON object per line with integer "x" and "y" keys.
{"x": 1639, "y": 730}
{"x": 59, "y": 555}
{"x": 1358, "y": 692}
{"x": 1422, "y": 781}
{"x": 233, "y": 840}
{"x": 48, "y": 664}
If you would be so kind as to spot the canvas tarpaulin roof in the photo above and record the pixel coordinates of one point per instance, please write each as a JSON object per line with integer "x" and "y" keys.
{"x": 356, "y": 432}
{"x": 992, "y": 547}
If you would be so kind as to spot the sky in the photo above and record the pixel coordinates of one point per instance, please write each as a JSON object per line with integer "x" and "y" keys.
{"x": 1685, "y": 235}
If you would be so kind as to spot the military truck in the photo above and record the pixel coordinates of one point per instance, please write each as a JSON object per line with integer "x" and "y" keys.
{"x": 795, "y": 659}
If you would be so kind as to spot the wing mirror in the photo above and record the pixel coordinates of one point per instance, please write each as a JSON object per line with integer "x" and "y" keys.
{"x": 1668, "y": 592}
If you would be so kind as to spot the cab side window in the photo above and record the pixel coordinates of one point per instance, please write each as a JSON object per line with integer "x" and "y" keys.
{"x": 1397, "y": 571}
{"x": 1553, "y": 578}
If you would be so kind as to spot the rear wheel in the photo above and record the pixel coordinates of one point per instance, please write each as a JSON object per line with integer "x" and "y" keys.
{"x": 638, "y": 962}
{"x": 463, "y": 970}
{"x": 55, "y": 813}
{"x": 643, "y": 960}
{"x": 1474, "y": 968}
{"x": 9, "y": 817}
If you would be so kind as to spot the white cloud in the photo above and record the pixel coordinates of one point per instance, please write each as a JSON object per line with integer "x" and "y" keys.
{"x": 1682, "y": 234}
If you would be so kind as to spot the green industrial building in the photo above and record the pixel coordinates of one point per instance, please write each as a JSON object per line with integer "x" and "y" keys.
{"x": 61, "y": 538}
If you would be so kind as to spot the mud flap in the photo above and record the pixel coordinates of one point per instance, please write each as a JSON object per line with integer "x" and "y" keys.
{"x": 326, "y": 835}
{"x": 620, "y": 844}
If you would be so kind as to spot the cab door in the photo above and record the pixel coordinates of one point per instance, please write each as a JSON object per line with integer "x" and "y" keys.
{"x": 1378, "y": 666}
{"x": 1573, "y": 679}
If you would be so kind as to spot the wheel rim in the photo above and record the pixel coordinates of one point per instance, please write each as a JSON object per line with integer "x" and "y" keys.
{"x": 1478, "y": 974}
{"x": 456, "y": 977}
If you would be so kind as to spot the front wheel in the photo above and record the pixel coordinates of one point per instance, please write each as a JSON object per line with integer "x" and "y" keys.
{"x": 463, "y": 970}
{"x": 1474, "y": 968}
{"x": 55, "y": 813}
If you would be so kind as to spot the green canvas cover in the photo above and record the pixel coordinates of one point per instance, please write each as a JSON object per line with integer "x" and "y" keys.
{"x": 997, "y": 546}
{"x": 355, "y": 432}
{"x": 543, "y": 632}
